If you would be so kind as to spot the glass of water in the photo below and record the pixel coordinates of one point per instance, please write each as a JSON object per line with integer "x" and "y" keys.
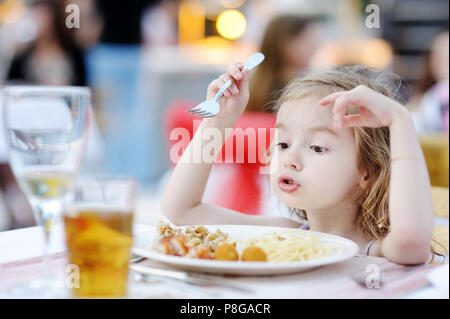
{"x": 46, "y": 131}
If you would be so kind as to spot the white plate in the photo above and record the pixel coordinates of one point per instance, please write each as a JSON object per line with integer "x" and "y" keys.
{"x": 345, "y": 249}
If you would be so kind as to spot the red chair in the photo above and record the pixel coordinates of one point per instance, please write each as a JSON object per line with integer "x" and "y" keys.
{"x": 241, "y": 190}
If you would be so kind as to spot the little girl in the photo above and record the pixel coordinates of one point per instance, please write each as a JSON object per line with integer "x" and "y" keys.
{"x": 345, "y": 159}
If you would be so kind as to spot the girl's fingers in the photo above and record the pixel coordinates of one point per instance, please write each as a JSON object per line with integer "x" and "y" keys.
{"x": 351, "y": 121}
{"x": 243, "y": 84}
{"x": 237, "y": 74}
{"x": 215, "y": 85}
{"x": 225, "y": 78}
{"x": 339, "y": 110}
{"x": 331, "y": 98}
{"x": 234, "y": 72}
{"x": 234, "y": 90}
{"x": 343, "y": 101}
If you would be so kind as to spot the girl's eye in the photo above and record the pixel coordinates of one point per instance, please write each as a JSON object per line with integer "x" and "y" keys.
{"x": 282, "y": 146}
{"x": 318, "y": 149}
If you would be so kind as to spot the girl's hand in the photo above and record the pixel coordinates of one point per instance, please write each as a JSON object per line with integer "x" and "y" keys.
{"x": 375, "y": 109}
{"x": 235, "y": 98}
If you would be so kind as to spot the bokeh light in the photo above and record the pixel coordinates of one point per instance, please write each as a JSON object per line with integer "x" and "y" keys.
{"x": 231, "y": 24}
{"x": 191, "y": 21}
{"x": 11, "y": 11}
{"x": 377, "y": 53}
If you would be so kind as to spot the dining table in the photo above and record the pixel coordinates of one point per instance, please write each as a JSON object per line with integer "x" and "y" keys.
{"x": 21, "y": 252}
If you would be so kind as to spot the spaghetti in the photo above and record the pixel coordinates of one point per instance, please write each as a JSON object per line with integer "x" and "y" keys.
{"x": 288, "y": 246}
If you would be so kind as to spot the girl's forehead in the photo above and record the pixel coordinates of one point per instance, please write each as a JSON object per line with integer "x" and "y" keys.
{"x": 305, "y": 112}
{"x": 306, "y": 115}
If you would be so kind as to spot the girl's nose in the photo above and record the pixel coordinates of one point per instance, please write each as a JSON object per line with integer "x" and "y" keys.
{"x": 291, "y": 163}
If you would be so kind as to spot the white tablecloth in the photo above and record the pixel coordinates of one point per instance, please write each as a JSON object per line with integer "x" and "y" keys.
{"x": 331, "y": 281}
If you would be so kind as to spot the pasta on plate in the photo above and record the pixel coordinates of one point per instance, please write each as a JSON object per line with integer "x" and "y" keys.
{"x": 289, "y": 246}
{"x": 278, "y": 247}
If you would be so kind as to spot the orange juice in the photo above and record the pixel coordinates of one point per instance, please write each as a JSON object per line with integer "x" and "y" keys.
{"x": 99, "y": 241}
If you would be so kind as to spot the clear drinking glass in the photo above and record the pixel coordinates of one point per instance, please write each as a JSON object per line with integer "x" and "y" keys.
{"x": 46, "y": 131}
{"x": 98, "y": 223}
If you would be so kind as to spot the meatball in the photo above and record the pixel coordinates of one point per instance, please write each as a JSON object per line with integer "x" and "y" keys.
{"x": 226, "y": 252}
{"x": 254, "y": 253}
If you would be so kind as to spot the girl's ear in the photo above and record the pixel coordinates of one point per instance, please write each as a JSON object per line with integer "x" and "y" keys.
{"x": 364, "y": 180}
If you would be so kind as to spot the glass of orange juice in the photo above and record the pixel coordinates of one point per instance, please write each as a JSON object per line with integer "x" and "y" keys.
{"x": 98, "y": 224}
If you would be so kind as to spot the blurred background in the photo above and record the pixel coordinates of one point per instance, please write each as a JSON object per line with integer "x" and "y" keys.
{"x": 149, "y": 61}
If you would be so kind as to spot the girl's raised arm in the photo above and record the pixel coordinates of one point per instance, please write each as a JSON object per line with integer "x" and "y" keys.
{"x": 182, "y": 199}
{"x": 410, "y": 201}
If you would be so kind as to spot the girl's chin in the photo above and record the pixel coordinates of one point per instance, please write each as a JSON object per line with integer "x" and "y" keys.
{"x": 290, "y": 203}
{"x": 297, "y": 204}
{"x": 293, "y": 200}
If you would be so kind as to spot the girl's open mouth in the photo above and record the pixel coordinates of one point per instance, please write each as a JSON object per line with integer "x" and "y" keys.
{"x": 287, "y": 184}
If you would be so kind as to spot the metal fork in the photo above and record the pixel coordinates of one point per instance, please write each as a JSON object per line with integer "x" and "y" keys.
{"x": 211, "y": 107}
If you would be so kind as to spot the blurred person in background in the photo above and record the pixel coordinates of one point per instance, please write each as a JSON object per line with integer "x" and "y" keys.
{"x": 432, "y": 113}
{"x": 115, "y": 72}
{"x": 289, "y": 43}
{"x": 160, "y": 24}
{"x": 90, "y": 24}
{"x": 53, "y": 58}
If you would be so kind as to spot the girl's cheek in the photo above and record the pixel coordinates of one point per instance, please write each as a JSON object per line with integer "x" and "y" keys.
{"x": 276, "y": 163}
